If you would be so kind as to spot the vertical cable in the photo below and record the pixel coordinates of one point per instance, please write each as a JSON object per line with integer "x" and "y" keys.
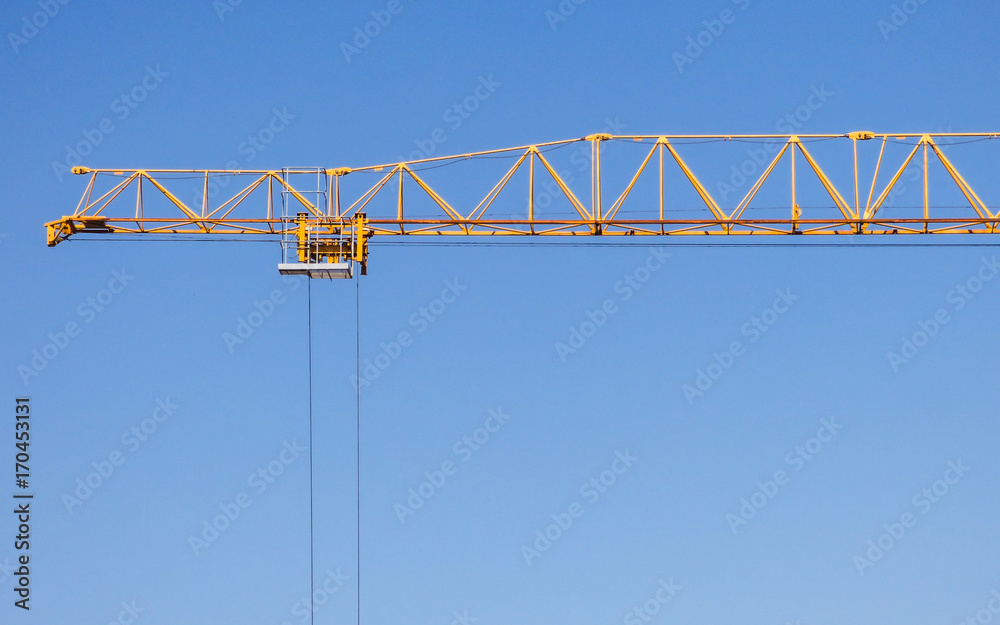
{"x": 312, "y": 567}
{"x": 357, "y": 365}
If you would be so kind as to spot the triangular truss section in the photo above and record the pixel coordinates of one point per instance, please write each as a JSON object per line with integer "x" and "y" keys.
{"x": 477, "y": 219}
{"x": 984, "y": 222}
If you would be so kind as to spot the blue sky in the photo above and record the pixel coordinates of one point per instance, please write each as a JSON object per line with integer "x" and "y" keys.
{"x": 604, "y": 487}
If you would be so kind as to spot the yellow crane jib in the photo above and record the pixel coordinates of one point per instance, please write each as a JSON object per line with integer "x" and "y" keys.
{"x": 325, "y": 225}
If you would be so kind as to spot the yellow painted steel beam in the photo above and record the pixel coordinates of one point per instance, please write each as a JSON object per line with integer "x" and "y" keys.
{"x": 329, "y": 230}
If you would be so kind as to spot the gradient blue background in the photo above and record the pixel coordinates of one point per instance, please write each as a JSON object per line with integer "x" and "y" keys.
{"x": 495, "y": 346}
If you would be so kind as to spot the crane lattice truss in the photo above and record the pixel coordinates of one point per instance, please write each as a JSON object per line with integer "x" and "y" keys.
{"x": 328, "y": 228}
